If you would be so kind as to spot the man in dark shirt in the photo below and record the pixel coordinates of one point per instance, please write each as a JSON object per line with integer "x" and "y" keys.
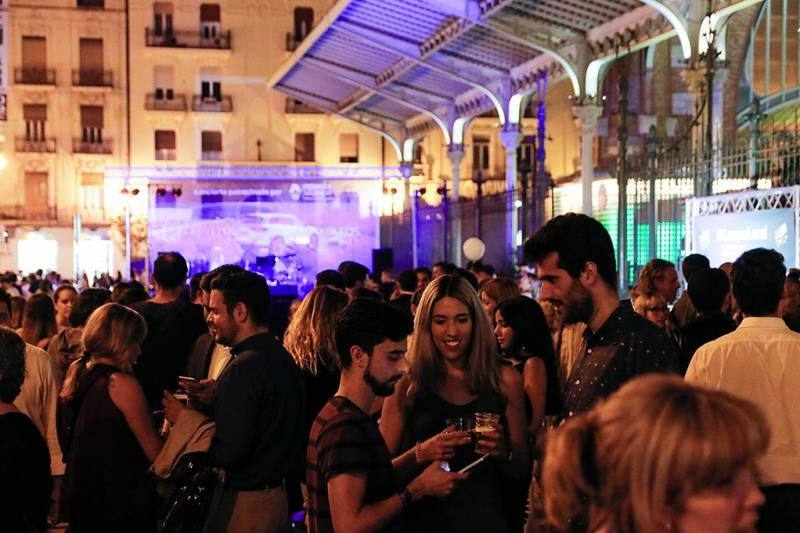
{"x": 575, "y": 263}
{"x": 707, "y": 291}
{"x": 172, "y": 327}
{"x": 353, "y": 483}
{"x": 258, "y": 409}
{"x": 406, "y": 285}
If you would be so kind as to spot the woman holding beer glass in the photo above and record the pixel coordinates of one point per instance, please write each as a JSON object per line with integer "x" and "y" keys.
{"x": 456, "y": 382}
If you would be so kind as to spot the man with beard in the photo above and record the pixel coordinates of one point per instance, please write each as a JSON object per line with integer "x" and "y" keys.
{"x": 258, "y": 410}
{"x": 574, "y": 258}
{"x": 353, "y": 484}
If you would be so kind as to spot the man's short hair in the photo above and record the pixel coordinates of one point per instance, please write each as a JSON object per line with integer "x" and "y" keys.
{"x": 205, "y": 282}
{"x": 407, "y": 279}
{"x": 194, "y": 285}
{"x": 578, "y": 239}
{"x": 447, "y": 268}
{"x": 12, "y": 365}
{"x": 170, "y": 270}
{"x": 354, "y": 273}
{"x": 331, "y": 278}
{"x": 424, "y": 270}
{"x": 469, "y": 276}
{"x": 6, "y": 299}
{"x": 758, "y": 277}
{"x": 707, "y": 290}
{"x": 366, "y": 323}
{"x": 692, "y": 264}
{"x": 247, "y": 288}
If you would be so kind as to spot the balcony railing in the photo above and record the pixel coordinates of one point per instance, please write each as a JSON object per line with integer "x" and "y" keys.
{"x": 92, "y": 214}
{"x": 165, "y": 154}
{"x": 212, "y": 105}
{"x": 296, "y": 106}
{"x": 92, "y": 78}
{"x": 35, "y": 76}
{"x": 27, "y": 212}
{"x": 176, "y": 103}
{"x": 79, "y": 146}
{"x": 188, "y": 39}
{"x": 213, "y": 155}
{"x": 25, "y": 145}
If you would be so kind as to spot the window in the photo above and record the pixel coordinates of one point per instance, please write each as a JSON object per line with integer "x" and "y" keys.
{"x": 162, "y": 18}
{"x": 91, "y": 72}
{"x": 210, "y": 21}
{"x": 348, "y": 148}
{"x": 35, "y": 116}
{"x": 36, "y": 194}
{"x": 34, "y": 60}
{"x": 165, "y": 145}
{"x": 525, "y": 154}
{"x": 91, "y": 3}
{"x": 212, "y": 145}
{"x": 163, "y": 80}
{"x": 480, "y": 153}
{"x": 303, "y": 22}
{"x": 92, "y": 124}
{"x": 304, "y": 147}
{"x": 211, "y": 84}
{"x": 91, "y": 192}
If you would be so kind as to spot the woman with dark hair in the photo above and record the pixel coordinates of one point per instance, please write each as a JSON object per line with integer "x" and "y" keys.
{"x": 107, "y": 432}
{"x": 39, "y": 321}
{"x": 524, "y": 339}
{"x": 523, "y": 336}
{"x": 456, "y": 379}
{"x": 64, "y": 298}
{"x": 66, "y": 345}
{"x": 24, "y": 458}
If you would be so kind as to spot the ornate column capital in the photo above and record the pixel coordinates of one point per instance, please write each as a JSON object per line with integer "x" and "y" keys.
{"x": 586, "y": 116}
{"x": 511, "y": 137}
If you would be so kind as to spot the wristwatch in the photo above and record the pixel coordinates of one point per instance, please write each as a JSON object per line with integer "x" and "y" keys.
{"x": 405, "y": 497}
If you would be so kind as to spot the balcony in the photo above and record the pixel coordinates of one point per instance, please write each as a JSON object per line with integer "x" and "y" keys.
{"x": 79, "y": 146}
{"x": 188, "y": 39}
{"x": 211, "y": 155}
{"x": 34, "y": 76}
{"x": 176, "y": 103}
{"x": 165, "y": 154}
{"x": 27, "y": 212}
{"x": 212, "y": 105}
{"x": 92, "y": 78}
{"x": 297, "y": 107}
{"x": 42, "y": 146}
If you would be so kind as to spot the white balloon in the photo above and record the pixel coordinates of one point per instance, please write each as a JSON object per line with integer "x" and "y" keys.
{"x": 474, "y": 248}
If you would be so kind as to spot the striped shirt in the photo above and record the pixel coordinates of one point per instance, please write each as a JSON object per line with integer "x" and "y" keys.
{"x": 345, "y": 440}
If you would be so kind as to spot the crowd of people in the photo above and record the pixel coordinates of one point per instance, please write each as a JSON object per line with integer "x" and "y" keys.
{"x": 441, "y": 399}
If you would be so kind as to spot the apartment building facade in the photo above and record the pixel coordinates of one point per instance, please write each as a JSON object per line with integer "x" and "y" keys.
{"x": 197, "y": 98}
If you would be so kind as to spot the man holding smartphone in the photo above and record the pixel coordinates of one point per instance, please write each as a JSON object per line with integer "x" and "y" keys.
{"x": 353, "y": 483}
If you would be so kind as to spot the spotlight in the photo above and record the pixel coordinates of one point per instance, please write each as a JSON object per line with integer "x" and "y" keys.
{"x": 161, "y": 191}
{"x": 177, "y": 191}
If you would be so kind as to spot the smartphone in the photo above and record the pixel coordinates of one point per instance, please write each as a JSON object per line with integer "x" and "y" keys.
{"x": 187, "y": 378}
{"x": 473, "y": 464}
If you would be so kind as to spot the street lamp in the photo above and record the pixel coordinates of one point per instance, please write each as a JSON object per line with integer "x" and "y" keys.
{"x": 127, "y": 195}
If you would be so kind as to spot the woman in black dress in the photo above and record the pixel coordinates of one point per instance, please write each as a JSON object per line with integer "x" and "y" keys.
{"x": 455, "y": 373}
{"x": 107, "y": 432}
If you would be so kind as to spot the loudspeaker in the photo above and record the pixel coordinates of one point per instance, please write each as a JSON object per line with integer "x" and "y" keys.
{"x": 382, "y": 258}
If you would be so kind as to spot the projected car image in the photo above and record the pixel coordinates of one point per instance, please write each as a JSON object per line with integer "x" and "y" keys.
{"x": 264, "y": 229}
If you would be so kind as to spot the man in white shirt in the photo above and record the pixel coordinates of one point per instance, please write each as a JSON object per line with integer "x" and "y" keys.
{"x": 760, "y": 361}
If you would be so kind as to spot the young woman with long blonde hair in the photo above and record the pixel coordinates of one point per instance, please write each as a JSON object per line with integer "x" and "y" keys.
{"x": 456, "y": 379}
{"x": 107, "y": 432}
{"x": 310, "y": 341}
